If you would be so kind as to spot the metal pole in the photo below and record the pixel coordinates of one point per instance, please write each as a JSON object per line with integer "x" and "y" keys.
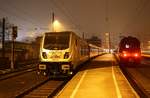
{"x": 109, "y": 42}
{"x": 12, "y": 53}
{"x": 3, "y": 38}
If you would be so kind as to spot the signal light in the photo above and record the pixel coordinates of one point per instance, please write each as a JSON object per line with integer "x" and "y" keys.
{"x": 14, "y": 31}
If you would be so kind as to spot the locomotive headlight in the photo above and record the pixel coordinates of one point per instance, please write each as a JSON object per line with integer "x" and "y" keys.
{"x": 65, "y": 67}
{"x": 66, "y": 55}
{"x": 44, "y": 55}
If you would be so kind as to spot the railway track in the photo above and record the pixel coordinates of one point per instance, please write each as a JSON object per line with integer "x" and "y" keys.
{"x": 135, "y": 84}
{"x": 133, "y": 81}
{"x": 46, "y": 89}
{"x": 15, "y": 73}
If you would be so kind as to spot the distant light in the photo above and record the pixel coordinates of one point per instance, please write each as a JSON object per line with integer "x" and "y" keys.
{"x": 106, "y": 34}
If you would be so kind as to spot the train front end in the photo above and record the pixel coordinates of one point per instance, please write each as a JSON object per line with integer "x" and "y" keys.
{"x": 129, "y": 51}
{"x": 130, "y": 57}
{"x": 55, "y": 53}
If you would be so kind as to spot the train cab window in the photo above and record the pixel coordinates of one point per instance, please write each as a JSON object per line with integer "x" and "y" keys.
{"x": 56, "y": 41}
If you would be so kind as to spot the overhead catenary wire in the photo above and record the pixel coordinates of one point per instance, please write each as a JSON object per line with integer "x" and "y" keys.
{"x": 22, "y": 15}
{"x": 6, "y": 14}
{"x": 16, "y": 14}
{"x": 141, "y": 5}
{"x": 73, "y": 20}
{"x": 66, "y": 13}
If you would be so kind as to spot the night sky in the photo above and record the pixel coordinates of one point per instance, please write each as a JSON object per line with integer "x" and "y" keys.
{"x": 93, "y": 17}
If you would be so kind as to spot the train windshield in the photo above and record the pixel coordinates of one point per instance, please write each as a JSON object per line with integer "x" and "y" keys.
{"x": 56, "y": 41}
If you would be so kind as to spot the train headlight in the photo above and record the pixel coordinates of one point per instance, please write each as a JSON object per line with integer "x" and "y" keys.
{"x": 66, "y": 55}
{"x": 65, "y": 67}
{"x": 44, "y": 55}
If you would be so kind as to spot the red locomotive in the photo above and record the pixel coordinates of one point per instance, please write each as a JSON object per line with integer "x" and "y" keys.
{"x": 129, "y": 50}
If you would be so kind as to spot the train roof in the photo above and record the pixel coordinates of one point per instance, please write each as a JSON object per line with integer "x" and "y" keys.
{"x": 132, "y": 41}
{"x": 92, "y": 45}
{"x": 59, "y": 32}
{"x": 70, "y": 32}
{"x": 129, "y": 39}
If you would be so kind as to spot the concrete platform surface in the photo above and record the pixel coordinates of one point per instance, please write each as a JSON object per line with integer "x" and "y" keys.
{"x": 101, "y": 78}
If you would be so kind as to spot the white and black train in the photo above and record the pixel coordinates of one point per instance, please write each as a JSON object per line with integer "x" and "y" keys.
{"x": 62, "y": 52}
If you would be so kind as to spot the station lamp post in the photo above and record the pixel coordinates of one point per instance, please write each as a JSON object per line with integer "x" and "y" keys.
{"x": 108, "y": 41}
{"x": 56, "y": 25}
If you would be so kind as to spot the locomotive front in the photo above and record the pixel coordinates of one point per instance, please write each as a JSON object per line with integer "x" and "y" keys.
{"x": 55, "y": 54}
{"x": 129, "y": 50}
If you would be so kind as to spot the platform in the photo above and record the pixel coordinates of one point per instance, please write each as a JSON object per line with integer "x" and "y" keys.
{"x": 101, "y": 78}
